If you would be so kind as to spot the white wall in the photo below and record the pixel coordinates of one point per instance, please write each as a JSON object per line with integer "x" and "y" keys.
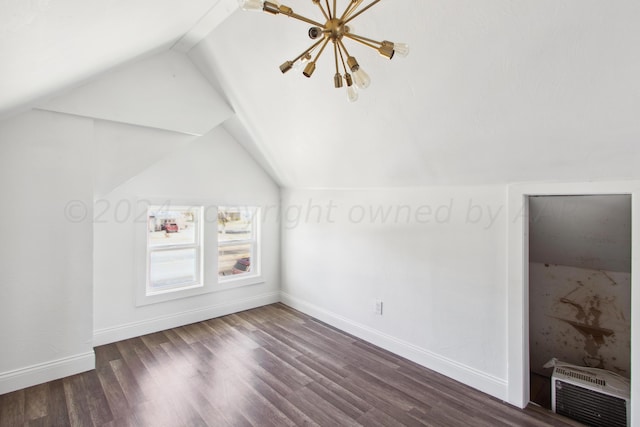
{"x": 213, "y": 169}
{"x": 437, "y": 262}
{"x": 46, "y": 249}
{"x": 54, "y": 305}
{"x": 56, "y": 168}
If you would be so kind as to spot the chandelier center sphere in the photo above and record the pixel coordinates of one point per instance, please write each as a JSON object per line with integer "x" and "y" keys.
{"x": 335, "y": 28}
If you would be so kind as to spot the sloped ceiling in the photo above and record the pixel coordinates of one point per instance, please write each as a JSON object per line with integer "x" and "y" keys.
{"x": 493, "y": 91}
{"x": 592, "y": 232}
{"x": 165, "y": 91}
{"x": 49, "y": 45}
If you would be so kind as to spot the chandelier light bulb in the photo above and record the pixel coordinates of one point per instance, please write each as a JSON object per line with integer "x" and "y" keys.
{"x": 302, "y": 62}
{"x": 401, "y": 49}
{"x": 253, "y": 5}
{"x": 352, "y": 94}
{"x": 361, "y": 78}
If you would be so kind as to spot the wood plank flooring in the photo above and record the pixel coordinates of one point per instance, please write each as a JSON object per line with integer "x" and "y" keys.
{"x": 271, "y": 366}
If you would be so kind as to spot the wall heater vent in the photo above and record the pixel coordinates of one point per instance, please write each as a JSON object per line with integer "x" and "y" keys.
{"x": 592, "y": 396}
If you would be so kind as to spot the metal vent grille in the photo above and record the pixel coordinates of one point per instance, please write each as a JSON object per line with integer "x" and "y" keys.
{"x": 580, "y": 376}
{"x": 590, "y": 407}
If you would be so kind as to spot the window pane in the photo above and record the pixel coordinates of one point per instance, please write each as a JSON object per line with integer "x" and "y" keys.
{"x": 172, "y": 227}
{"x": 235, "y": 224}
{"x": 234, "y": 259}
{"x": 172, "y": 268}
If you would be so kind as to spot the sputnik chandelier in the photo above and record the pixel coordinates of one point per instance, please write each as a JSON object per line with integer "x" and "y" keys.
{"x": 335, "y": 29}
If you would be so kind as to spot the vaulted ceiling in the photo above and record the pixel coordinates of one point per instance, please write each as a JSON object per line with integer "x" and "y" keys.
{"x": 47, "y": 46}
{"x": 492, "y": 91}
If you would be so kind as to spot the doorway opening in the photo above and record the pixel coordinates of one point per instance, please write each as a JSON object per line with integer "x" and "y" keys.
{"x": 579, "y": 293}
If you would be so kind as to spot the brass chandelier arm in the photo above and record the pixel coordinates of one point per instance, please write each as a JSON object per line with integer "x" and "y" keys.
{"x": 363, "y": 40}
{"x": 327, "y": 17}
{"x": 366, "y": 39}
{"x": 344, "y": 65}
{"x": 337, "y": 77}
{"x": 306, "y": 52}
{"x": 305, "y": 19}
{"x": 326, "y": 40}
{"x": 344, "y": 49}
{"x": 329, "y": 9}
{"x": 352, "y": 17}
{"x": 275, "y": 9}
{"x": 326, "y": 13}
{"x": 350, "y": 8}
{"x": 338, "y": 81}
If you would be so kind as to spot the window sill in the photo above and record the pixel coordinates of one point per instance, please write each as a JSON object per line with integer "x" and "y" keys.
{"x": 171, "y": 294}
{"x": 230, "y": 282}
{"x": 224, "y": 285}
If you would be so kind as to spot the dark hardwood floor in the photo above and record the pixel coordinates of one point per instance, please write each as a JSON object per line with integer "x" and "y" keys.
{"x": 270, "y": 366}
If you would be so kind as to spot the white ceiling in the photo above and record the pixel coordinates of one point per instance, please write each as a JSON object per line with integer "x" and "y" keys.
{"x": 165, "y": 91}
{"x": 49, "y": 45}
{"x": 493, "y": 91}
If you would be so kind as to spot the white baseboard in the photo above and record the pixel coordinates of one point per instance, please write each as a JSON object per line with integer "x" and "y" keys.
{"x": 48, "y": 371}
{"x": 174, "y": 320}
{"x": 472, "y": 377}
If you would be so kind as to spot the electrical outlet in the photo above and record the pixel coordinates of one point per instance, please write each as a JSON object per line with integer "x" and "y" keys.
{"x": 378, "y": 307}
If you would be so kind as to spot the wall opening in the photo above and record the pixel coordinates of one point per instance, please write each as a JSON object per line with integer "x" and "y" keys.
{"x": 579, "y": 293}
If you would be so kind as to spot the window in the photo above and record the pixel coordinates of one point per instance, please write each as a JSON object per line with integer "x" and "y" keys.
{"x": 238, "y": 255}
{"x": 195, "y": 247}
{"x": 174, "y": 249}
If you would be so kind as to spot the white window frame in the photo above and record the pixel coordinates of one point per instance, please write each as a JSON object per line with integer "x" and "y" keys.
{"x": 208, "y": 238}
{"x": 196, "y": 245}
{"x": 144, "y": 295}
{"x": 255, "y": 275}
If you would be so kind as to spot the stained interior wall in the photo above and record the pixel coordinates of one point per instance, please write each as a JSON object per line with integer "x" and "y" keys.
{"x": 580, "y": 281}
{"x": 580, "y": 316}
